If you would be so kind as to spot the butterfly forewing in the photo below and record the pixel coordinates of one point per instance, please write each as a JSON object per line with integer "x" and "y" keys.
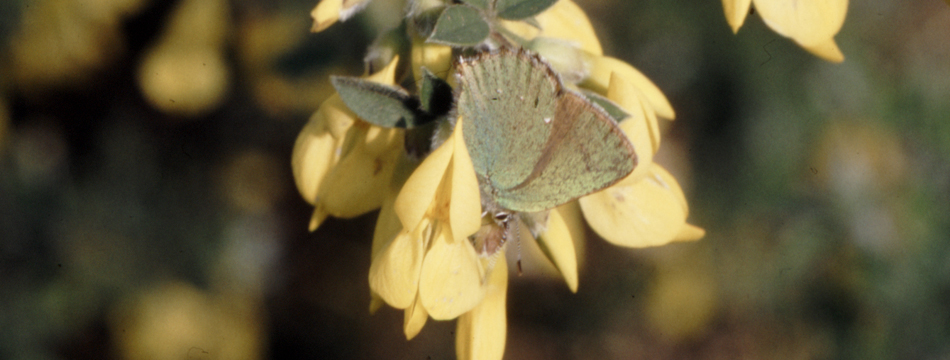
{"x": 535, "y": 145}
{"x": 497, "y": 92}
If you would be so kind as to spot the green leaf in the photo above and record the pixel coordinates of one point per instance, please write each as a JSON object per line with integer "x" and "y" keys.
{"x": 480, "y": 4}
{"x": 424, "y": 22}
{"x": 381, "y": 105}
{"x": 612, "y": 109}
{"x": 460, "y": 25}
{"x": 520, "y": 9}
{"x": 435, "y": 95}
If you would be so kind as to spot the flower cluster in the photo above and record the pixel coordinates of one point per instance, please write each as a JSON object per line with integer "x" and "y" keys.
{"x": 429, "y": 256}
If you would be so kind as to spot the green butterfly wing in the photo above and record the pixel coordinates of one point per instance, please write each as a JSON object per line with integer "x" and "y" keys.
{"x": 534, "y": 144}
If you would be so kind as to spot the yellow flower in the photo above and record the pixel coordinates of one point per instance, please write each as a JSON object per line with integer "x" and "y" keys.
{"x": 564, "y": 38}
{"x": 648, "y": 207}
{"x": 437, "y": 209}
{"x": 480, "y": 333}
{"x": 811, "y": 23}
{"x": 328, "y": 12}
{"x": 557, "y": 243}
{"x": 603, "y": 68}
{"x": 430, "y": 256}
{"x": 435, "y": 57}
{"x": 340, "y": 162}
{"x": 423, "y": 260}
{"x": 564, "y": 20}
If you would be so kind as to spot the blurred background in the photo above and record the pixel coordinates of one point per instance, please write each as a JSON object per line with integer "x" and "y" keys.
{"x": 147, "y": 207}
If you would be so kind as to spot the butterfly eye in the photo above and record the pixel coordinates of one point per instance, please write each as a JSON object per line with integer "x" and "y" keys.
{"x": 502, "y": 217}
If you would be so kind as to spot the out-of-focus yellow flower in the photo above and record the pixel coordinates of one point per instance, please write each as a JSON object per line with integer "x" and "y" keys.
{"x": 175, "y": 321}
{"x": 63, "y": 42}
{"x": 328, "y": 12}
{"x": 682, "y": 302}
{"x": 185, "y": 71}
{"x": 811, "y": 23}
{"x": 340, "y": 162}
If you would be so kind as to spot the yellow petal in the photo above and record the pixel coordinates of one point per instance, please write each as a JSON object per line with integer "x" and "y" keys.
{"x": 563, "y": 20}
{"x": 683, "y": 302}
{"x": 319, "y": 215}
{"x": 387, "y": 75}
{"x": 388, "y": 268}
{"x": 418, "y": 193}
{"x": 186, "y": 71}
{"x": 414, "y": 319}
{"x": 338, "y": 116}
{"x": 394, "y": 273}
{"x": 574, "y": 219}
{"x": 382, "y": 140}
{"x": 664, "y": 177}
{"x": 827, "y": 50}
{"x": 649, "y": 212}
{"x": 736, "y": 11}
{"x": 690, "y": 233}
{"x": 808, "y": 22}
{"x": 326, "y": 13}
{"x": 451, "y": 281}
{"x": 375, "y": 302}
{"x": 353, "y": 187}
{"x": 480, "y": 333}
{"x": 313, "y": 156}
{"x": 599, "y": 80}
{"x": 565, "y": 57}
{"x": 466, "y": 204}
{"x": 435, "y": 57}
{"x": 387, "y": 225}
{"x": 641, "y": 127}
{"x": 319, "y": 146}
{"x": 558, "y": 246}
{"x": 637, "y": 131}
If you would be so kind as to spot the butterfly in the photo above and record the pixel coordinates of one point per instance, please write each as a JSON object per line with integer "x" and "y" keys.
{"x": 534, "y": 143}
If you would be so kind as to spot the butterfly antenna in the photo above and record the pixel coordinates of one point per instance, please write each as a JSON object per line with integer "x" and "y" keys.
{"x": 518, "y": 236}
{"x": 491, "y": 260}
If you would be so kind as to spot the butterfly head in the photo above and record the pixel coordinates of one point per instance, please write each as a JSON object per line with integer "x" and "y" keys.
{"x": 494, "y": 233}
